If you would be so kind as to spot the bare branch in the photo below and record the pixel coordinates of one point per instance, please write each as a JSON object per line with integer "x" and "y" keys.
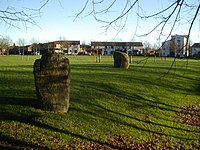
{"x": 165, "y": 19}
{"x": 120, "y": 16}
{"x": 83, "y": 9}
{"x": 114, "y": 22}
{"x": 45, "y": 3}
{"x": 25, "y": 16}
{"x": 173, "y": 15}
{"x": 160, "y": 12}
{"x": 106, "y": 10}
{"x": 191, "y": 25}
{"x": 174, "y": 23}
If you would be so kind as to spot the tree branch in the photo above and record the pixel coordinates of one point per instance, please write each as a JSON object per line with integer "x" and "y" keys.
{"x": 12, "y": 17}
{"x": 83, "y": 9}
{"x": 165, "y": 19}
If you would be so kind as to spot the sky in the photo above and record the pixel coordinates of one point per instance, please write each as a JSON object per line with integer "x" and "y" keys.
{"x": 57, "y": 20}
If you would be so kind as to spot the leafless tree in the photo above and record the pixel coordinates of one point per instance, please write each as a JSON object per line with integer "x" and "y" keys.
{"x": 15, "y": 17}
{"x": 5, "y": 43}
{"x": 35, "y": 46}
{"x": 61, "y": 38}
{"x": 147, "y": 45}
{"x": 21, "y": 43}
{"x": 170, "y": 14}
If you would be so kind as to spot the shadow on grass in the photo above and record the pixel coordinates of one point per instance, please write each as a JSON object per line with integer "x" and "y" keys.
{"x": 11, "y": 110}
{"x": 11, "y": 143}
{"x": 198, "y": 88}
{"x": 140, "y": 120}
{"x": 135, "y": 100}
{"x": 131, "y": 97}
{"x": 120, "y": 122}
{"x": 99, "y": 111}
{"x": 20, "y": 69}
{"x": 30, "y": 102}
{"x": 93, "y": 66}
{"x": 32, "y": 121}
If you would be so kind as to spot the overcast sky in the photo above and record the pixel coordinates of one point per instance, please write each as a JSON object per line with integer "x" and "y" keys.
{"x": 56, "y": 20}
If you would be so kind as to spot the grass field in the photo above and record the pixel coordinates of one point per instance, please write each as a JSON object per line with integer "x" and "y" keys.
{"x": 150, "y": 105}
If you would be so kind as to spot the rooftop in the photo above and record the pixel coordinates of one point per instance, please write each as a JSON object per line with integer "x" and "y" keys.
{"x": 95, "y": 43}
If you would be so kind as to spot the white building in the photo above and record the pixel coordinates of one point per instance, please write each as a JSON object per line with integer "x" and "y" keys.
{"x": 176, "y": 46}
{"x": 67, "y": 47}
{"x": 108, "y": 48}
{"x": 166, "y": 48}
{"x": 195, "y": 50}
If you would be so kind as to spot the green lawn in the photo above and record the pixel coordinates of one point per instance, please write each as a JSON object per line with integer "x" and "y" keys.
{"x": 150, "y": 105}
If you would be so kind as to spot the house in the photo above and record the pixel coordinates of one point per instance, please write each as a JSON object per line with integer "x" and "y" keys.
{"x": 178, "y": 45}
{"x": 166, "y": 48}
{"x": 64, "y": 46}
{"x": 195, "y": 50}
{"x": 85, "y": 50}
{"x": 107, "y": 48}
{"x": 2, "y": 51}
{"x": 14, "y": 50}
{"x": 67, "y": 47}
{"x": 25, "y": 50}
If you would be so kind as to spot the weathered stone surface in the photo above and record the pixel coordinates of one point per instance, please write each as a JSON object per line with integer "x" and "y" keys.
{"x": 121, "y": 60}
{"x": 52, "y": 82}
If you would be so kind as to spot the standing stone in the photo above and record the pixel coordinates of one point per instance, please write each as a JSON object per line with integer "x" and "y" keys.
{"x": 52, "y": 82}
{"x": 121, "y": 60}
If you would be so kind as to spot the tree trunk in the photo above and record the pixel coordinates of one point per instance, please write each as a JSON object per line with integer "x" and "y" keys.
{"x": 130, "y": 59}
{"x": 7, "y": 51}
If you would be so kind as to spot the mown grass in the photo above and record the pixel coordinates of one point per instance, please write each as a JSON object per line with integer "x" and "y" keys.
{"x": 140, "y": 104}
